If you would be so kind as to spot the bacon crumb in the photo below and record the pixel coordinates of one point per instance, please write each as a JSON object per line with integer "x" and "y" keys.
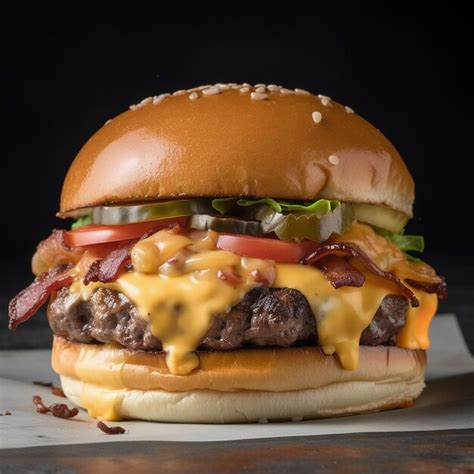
{"x": 40, "y": 406}
{"x": 110, "y": 430}
{"x": 259, "y": 277}
{"x": 6, "y": 413}
{"x": 59, "y": 410}
{"x": 228, "y": 277}
{"x": 58, "y": 391}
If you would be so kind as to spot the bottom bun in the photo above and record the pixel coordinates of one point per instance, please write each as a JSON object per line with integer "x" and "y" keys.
{"x": 234, "y": 387}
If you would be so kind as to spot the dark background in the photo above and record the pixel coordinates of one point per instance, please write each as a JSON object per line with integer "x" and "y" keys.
{"x": 68, "y": 69}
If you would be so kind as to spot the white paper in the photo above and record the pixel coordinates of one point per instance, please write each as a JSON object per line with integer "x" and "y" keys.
{"x": 447, "y": 403}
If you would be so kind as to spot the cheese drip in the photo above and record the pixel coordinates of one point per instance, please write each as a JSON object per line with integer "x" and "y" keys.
{"x": 342, "y": 314}
{"x": 179, "y": 285}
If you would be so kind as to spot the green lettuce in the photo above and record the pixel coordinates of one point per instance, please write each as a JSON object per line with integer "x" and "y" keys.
{"x": 320, "y": 207}
{"x": 81, "y": 221}
{"x": 224, "y": 205}
{"x": 405, "y": 242}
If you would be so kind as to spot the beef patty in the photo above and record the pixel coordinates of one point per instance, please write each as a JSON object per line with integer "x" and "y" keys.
{"x": 265, "y": 317}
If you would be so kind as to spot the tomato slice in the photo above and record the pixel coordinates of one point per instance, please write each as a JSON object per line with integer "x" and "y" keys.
{"x": 98, "y": 234}
{"x": 266, "y": 248}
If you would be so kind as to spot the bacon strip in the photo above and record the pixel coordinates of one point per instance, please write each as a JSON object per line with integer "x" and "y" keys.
{"x": 339, "y": 272}
{"x": 53, "y": 251}
{"x": 29, "y": 300}
{"x": 347, "y": 250}
{"x": 440, "y": 288}
{"x": 109, "y": 268}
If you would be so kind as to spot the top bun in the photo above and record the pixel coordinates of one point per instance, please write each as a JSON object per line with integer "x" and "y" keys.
{"x": 227, "y": 140}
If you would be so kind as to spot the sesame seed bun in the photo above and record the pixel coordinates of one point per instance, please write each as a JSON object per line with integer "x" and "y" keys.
{"x": 238, "y": 141}
{"x": 261, "y": 384}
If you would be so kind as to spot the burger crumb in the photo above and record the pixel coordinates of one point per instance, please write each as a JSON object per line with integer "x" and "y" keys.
{"x": 5, "y": 413}
{"x": 110, "y": 430}
{"x": 58, "y": 391}
{"x": 59, "y": 410}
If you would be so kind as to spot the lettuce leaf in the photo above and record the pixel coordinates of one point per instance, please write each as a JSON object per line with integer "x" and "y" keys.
{"x": 81, "y": 221}
{"x": 319, "y": 207}
{"x": 406, "y": 243}
{"x": 224, "y": 205}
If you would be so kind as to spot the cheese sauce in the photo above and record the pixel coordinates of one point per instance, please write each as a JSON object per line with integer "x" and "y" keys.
{"x": 342, "y": 314}
{"x": 181, "y": 282}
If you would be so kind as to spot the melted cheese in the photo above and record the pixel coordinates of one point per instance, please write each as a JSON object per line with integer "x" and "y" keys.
{"x": 179, "y": 285}
{"x": 180, "y": 297}
{"x": 415, "y": 333}
{"x": 342, "y": 314}
{"x": 384, "y": 253}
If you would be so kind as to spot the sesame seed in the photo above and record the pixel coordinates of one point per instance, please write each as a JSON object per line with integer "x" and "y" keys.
{"x": 333, "y": 159}
{"x": 349, "y": 110}
{"x": 325, "y": 102}
{"x": 259, "y": 85}
{"x": 317, "y": 116}
{"x": 286, "y": 91}
{"x": 107, "y": 122}
{"x": 193, "y": 96}
{"x": 211, "y": 91}
{"x": 246, "y": 84}
{"x": 237, "y": 86}
{"x": 301, "y": 92}
{"x": 258, "y": 96}
{"x": 244, "y": 89}
{"x": 180, "y": 92}
{"x": 232, "y": 84}
{"x": 146, "y": 101}
{"x": 223, "y": 87}
{"x": 325, "y": 97}
{"x": 204, "y": 87}
{"x": 133, "y": 107}
{"x": 260, "y": 90}
{"x": 193, "y": 89}
{"x": 273, "y": 87}
{"x": 160, "y": 98}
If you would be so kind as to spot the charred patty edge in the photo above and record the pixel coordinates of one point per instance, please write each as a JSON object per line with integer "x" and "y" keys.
{"x": 266, "y": 317}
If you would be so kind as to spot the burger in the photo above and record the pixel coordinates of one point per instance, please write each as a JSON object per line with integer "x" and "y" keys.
{"x": 237, "y": 254}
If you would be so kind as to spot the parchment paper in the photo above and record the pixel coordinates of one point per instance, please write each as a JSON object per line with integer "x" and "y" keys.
{"x": 447, "y": 403}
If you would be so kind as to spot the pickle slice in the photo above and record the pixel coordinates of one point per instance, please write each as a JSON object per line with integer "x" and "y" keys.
{"x": 379, "y": 216}
{"x": 224, "y": 224}
{"x": 307, "y": 225}
{"x": 111, "y": 215}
